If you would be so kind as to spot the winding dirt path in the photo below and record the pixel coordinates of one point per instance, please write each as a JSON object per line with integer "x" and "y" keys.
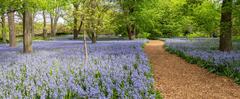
{"x": 177, "y": 79}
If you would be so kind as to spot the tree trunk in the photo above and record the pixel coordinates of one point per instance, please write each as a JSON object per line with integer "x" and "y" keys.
{"x": 85, "y": 46}
{"x": 75, "y": 30}
{"x": 129, "y": 29}
{"x": 27, "y": 29}
{"x": 12, "y": 35}
{"x": 226, "y": 26}
{"x": 32, "y": 23}
{"x": 55, "y": 18}
{"x": 55, "y": 25}
{"x": 52, "y": 26}
{"x": 94, "y": 37}
{"x": 44, "y": 26}
{"x": 80, "y": 27}
{"x": 134, "y": 31}
{"x": 94, "y": 33}
{"x": 4, "y": 39}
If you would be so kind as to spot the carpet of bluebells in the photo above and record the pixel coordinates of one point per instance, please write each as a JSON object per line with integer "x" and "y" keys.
{"x": 115, "y": 69}
{"x": 207, "y": 50}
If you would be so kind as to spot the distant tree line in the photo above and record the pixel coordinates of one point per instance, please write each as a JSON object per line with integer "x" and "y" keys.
{"x": 173, "y": 18}
{"x": 131, "y": 18}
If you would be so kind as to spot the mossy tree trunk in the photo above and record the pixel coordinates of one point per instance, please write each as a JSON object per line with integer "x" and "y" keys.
{"x": 4, "y": 39}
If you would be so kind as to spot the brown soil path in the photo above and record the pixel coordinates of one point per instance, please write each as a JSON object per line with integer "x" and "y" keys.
{"x": 177, "y": 79}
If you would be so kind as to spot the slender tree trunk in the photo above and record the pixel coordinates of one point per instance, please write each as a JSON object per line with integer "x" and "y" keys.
{"x": 55, "y": 25}
{"x": 44, "y": 25}
{"x": 93, "y": 32}
{"x": 129, "y": 29}
{"x": 80, "y": 27}
{"x": 85, "y": 46}
{"x": 226, "y": 26}
{"x": 32, "y": 23}
{"x": 12, "y": 35}
{"x": 27, "y": 29}
{"x": 75, "y": 30}
{"x": 4, "y": 39}
{"x": 134, "y": 31}
{"x": 94, "y": 37}
{"x": 55, "y": 18}
{"x": 52, "y": 26}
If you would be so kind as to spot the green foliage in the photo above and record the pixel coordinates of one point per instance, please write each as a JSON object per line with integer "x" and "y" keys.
{"x": 197, "y": 34}
{"x": 171, "y": 18}
{"x": 236, "y": 38}
{"x": 236, "y": 18}
{"x": 158, "y": 95}
{"x": 151, "y": 19}
{"x": 144, "y": 35}
{"x": 155, "y": 35}
{"x": 207, "y": 17}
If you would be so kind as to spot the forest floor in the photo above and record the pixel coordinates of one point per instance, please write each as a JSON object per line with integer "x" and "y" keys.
{"x": 177, "y": 79}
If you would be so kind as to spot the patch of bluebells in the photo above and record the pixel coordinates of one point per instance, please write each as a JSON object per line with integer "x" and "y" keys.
{"x": 206, "y": 49}
{"x": 115, "y": 69}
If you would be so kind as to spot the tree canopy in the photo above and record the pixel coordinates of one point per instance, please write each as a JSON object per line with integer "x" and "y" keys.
{"x": 129, "y": 18}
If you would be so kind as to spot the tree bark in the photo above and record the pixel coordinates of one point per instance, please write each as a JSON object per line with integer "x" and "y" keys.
{"x": 27, "y": 29}
{"x": 4, "y": 39}
{"x": 226, "y": 26}
{"x": 75, "y": 30}
{"x": 94, "y": 37}
{"x": 129, "y": 29}
{"x": 44, "y": 25}
{"x": 32, "y": 24}
{"x": 52, "y": 26}
{"x": 12, "y": 35}
{"x": 134, "y": 31}
{"x": 55, "y": 25}
{"x": 85, "y": 46}
{"x": 54, "y": 20}
{"x": 93, "y": 32}
{"x": 80, "y": 26}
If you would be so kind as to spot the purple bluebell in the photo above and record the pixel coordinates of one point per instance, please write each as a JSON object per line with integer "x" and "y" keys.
{"x": 56, "y": 68}
{"x": 207, "y": 50}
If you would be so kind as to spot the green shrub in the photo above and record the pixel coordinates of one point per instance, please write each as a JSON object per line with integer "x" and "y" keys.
{"x": 143, "y": 35}
{"x": 197, "y": 34}
{"x": 236, "y": 38}
{"x": 155, "y": 34}
{"x": 158, "y": 95}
